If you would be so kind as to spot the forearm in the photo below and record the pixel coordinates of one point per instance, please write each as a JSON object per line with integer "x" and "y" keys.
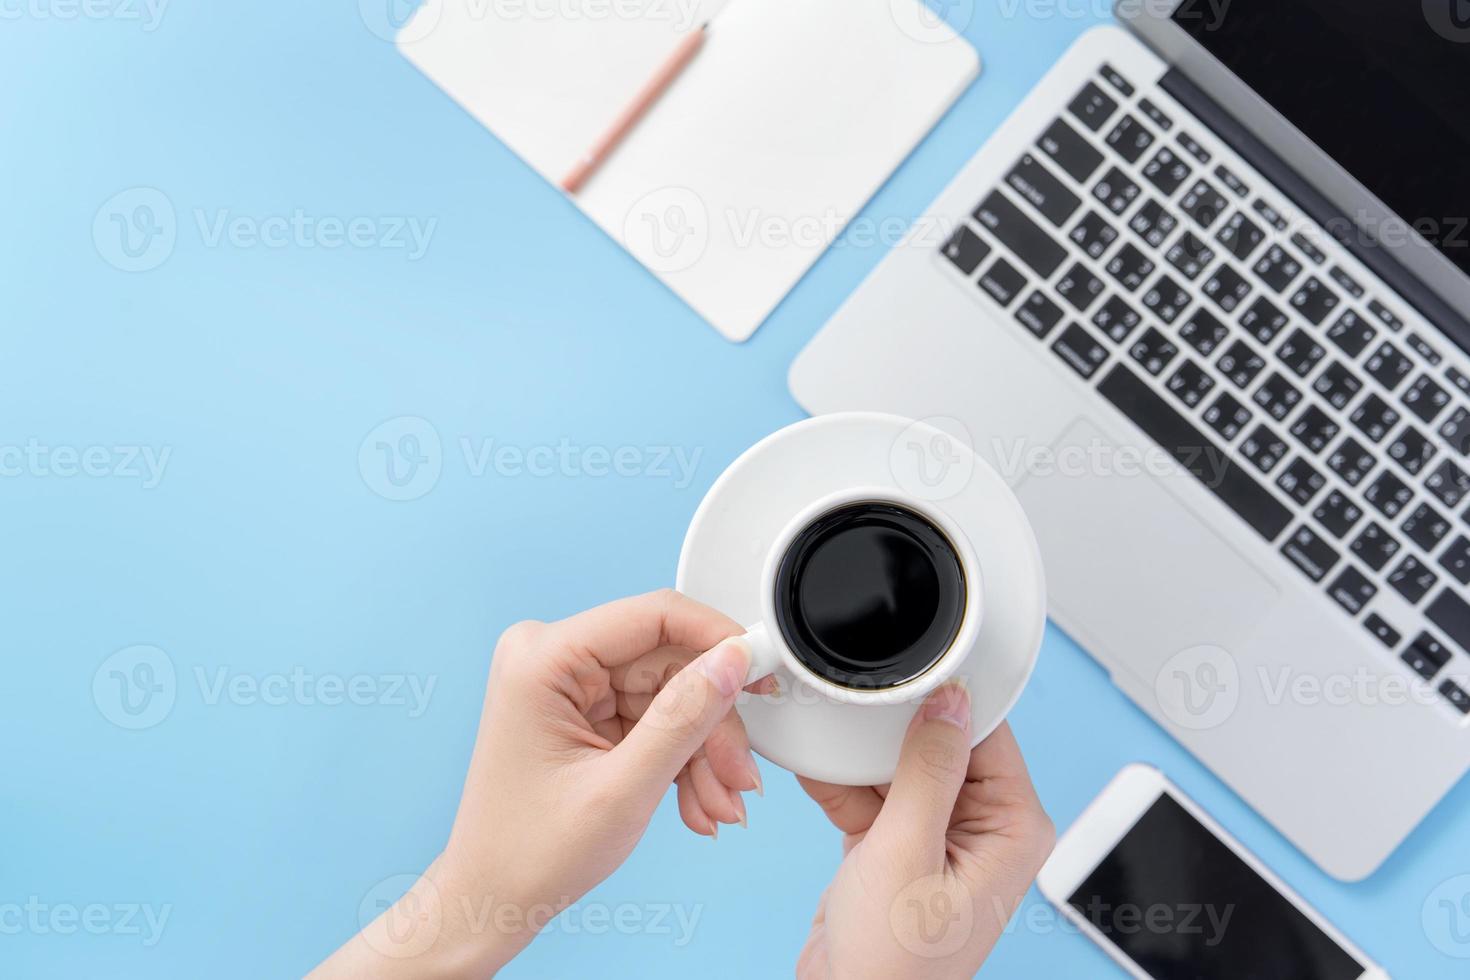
{"x": 447, "y": 925}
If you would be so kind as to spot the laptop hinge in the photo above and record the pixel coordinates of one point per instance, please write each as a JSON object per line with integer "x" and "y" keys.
{"x": 1306, "y": 197}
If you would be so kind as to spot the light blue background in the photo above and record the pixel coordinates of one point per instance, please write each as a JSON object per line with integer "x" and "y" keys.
{"x": 263, "y": 549}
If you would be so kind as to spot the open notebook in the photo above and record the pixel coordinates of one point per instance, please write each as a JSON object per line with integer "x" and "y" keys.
{"x": 788, "y": 121}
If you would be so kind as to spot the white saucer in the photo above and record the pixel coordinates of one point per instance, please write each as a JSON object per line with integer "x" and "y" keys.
{"x": 766, "y": 488}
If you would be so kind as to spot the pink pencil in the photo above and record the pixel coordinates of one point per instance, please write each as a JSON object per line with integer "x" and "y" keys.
{"x": 636, "y": 110}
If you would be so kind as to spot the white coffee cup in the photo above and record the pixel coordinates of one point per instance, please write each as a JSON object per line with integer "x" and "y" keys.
{"x": 771, "y": 651}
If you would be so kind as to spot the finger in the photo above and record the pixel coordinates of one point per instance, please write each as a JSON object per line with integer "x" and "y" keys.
{"x": 998, "y": 756}
{"x": 852, "y": 809}
{"x": 679, "y": 720}
{"x": 623, "y": 631}
{"x": 728, "y": 751}
{"x": 718, "y": 800}
{"x": 931, "y": 769}
{"x": 690, "y": 810}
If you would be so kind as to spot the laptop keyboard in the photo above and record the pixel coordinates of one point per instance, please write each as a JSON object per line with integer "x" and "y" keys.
{"x": 1262, "y": 366}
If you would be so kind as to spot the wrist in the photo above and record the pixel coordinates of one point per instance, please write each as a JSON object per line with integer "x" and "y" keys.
{"x": 486, "y": 920}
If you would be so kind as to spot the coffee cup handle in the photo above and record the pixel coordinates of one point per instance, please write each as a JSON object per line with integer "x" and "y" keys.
{"x": 765, "y": 657}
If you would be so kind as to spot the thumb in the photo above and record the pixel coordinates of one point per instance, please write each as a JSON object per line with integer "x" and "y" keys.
{"x": 931, "y": 769}
{"x": 679, "y": 719}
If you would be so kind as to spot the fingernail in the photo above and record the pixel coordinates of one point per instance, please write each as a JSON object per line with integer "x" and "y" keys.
{"x": 740, "y": 809}
{"x": 714, "y": 829}
{"x": 950, "y": 703}
{"x": 725, "y": 666}
{"x": 755, "y": 774}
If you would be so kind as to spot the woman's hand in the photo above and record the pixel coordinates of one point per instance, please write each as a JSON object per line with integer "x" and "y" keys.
{"x": 937, "y": 862}
{"x": 586, "y": 724}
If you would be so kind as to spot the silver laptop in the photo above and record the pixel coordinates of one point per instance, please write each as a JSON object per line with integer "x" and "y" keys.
{"x": 1203, "y": 300}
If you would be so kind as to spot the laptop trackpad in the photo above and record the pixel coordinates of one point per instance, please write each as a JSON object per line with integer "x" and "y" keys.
{"x": 1132, "y": 573}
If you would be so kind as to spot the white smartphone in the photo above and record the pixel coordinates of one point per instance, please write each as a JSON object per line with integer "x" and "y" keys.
{"x": 1146, "y": 874}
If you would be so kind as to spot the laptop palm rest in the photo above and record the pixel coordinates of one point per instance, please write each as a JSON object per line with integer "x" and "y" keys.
{"x": 1149, "y": 611}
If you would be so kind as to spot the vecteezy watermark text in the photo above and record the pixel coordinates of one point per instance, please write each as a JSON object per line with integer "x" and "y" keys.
{"x": 403, "y": 458}
{"x": 138, "y": 229}
{"x": 37, "y": 917}
{"x": 147, "y": 14}
{"x": 40, "y": 460}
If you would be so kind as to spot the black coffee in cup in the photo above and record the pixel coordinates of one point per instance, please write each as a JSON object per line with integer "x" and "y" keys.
{"x": 870, "y": 596}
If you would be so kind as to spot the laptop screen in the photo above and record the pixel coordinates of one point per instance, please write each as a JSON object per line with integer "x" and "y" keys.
{"x": 1380, "y": 86}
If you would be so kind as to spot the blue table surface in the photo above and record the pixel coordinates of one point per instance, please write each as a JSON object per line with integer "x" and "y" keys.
{"x": 236, "y": 835}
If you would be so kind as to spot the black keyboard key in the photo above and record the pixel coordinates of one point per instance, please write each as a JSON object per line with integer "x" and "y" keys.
{"x": 1385, "y": 633}
{"x": 1116, "y": 191}
{"x": 1427, "y": 656}
{"x": 1227, "y": 416}
{"x": 1412, "y": 580}
{"x": 1422, "y": 348}
{"x": 1227, "y": 288}
{"x": 1272, "y": 216}
{"x": 1152, "y": 223}
{"x": 1314, "y": 429}
{"x": 1314, "y": 301}
{"x": 1277, "y": 397}
{"x": 1456, "y": 696}
{"x": 1264, "y": 449}
{"x": 1093, "y": 107}
{"x": 1192, "y": 449}
{"x": 1166, "y": 171}
{"x": 1456, "y": 560}
{"x": 1425, "y": 398}
{"x": 1351, "y": 461}
{"x": 1130, "y": 267}
{"x": 1116, "y": 319}
{"x": 1411, "y": 450}
{"x": 1451, "y": 613}
{"x": 1449, "y": 483}
{"x": 1337, "y": 385}
{"x": 1130, "y": 139}
{"x": 1388, "y": 366}
{"x": 1352, "y": 591}
{"x": 1240, "y": 235}
{"x": 1456, "y": 431}
{"x": 1351, "y": 333}
{"x": 1277, "y": 268}
{"x": 1190, "y": 255}
{"x": 1389, "y": 494}
{"x": 1021, "y": 235}
{"x": 1203, "y": 331}
{"x": 1039, "y": 315}
{"x": 1233, "y": 183}
{"x": 1003, "y": 281}
{"x": 1153, "y": 351}
{"x": 1241, "y": 364}
{"x": 1300, "y": 352}
{"x": 1203, "y": 203}
{"x": 1301, "y": 482}
{"x": 1190, "y": 384}
{"x": 1071, "y": 151}
{"x": 1458, "y": 379}
{"x": 1193, "y": 148}
{"x": 1375, "y": 547}
{"x": 1156, "y": 114}
{"x": 1166, "y": 299}
{"x": 1426, "y": 527}
{"x": 1093, "y": 235}
{"x": 1338, "y": 514}
{"x": 1310, "y": 553}
{"x": 1375, "y": 418}
{"x": 1385, "y": 316}
{"x": 1043, "y": 191}
{"x": 1346, "y": 282}
{"x": 966, "y": 250}
{"x": 1082, "y": 352}
{"x": 1117, "y": 81}
{"x": 1310, "y": 250}
{"x": 1080, "y": 287}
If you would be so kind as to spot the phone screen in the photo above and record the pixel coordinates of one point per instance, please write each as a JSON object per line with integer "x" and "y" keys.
{"x": 1184, "y": 906}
